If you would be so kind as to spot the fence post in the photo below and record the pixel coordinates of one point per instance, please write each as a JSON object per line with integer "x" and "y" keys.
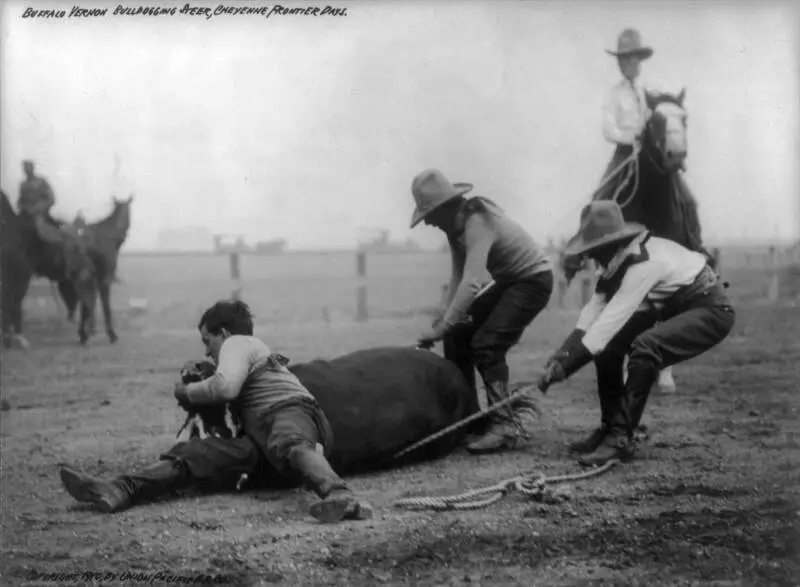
{"x": 236, "y": 278}
{"x": 562, "y": 289}
{"x": 362, "y": 315}
{"x": 717, "y": 259}
{"x": 586, "y": 289}
{"x": 774, "y": 287}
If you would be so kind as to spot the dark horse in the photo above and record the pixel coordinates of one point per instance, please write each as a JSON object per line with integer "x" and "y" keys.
{"x": 103, "y": 241}
{"x": 650, "y": 189}
{"x": 57, "y": 254}
{"x": 15, "y": 273}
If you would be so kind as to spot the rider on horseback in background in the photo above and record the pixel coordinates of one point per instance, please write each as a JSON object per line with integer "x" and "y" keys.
{"x": 35, "y": 197}
{"x": 625, "y": 110}
{"x": 54, "y": 251}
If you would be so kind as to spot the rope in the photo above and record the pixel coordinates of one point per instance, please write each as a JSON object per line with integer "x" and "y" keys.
{"x": 633, "y": 170}
{"x": 632, "y": 158}
{"x": 533, "y": 485}
{"x": 521, "y": 390}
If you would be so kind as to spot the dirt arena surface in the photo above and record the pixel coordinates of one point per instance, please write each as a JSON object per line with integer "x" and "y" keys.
{"x": 713, "y": 498}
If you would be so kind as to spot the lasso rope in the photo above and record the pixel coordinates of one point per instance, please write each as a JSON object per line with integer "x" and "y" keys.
{"x": 534, "y": 485}
{"x": 631, "y": 165}
{"x": 521, "y": 390}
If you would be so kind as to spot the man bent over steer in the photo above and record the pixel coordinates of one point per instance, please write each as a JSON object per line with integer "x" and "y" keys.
{"x": 282, "y": 422}
{"x": 656, "y": 302}
{"x": 479, "y": 331}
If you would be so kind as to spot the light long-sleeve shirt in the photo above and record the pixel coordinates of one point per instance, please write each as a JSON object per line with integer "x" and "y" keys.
{"x": 491, "y": 246}
{"x": 247, "y": 371}
{"x": 659, "y": 269}
{"x": 625, "y": 112}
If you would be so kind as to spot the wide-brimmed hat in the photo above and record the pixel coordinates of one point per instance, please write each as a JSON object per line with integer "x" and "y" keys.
{"x": 602, "y": 224}
{"x": 431, "y": 189}
{"x": 630, "y": 43}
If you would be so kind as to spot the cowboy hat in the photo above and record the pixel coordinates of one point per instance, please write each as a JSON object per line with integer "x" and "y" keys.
{"x": 431, "y": 189}
{"x": 630, "y": 43}
{"x": 602, "y": 224}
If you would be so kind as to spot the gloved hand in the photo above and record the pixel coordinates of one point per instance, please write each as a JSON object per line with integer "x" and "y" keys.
{"x": 553, "y": 373}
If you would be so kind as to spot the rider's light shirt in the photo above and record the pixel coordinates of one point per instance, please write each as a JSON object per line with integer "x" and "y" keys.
{"x": 625, "y": 112}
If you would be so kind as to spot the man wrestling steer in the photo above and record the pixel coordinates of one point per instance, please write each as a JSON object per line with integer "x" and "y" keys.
{"x": 278, "y": 415}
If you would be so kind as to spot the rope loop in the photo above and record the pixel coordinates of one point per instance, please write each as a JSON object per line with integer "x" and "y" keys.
{"x": 533, "y": 485}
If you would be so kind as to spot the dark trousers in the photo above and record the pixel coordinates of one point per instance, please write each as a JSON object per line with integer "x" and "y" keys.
{"x": 497, "y": 320}
{"x": 683, "y": 332}
{"x": 610, "y": 364}
{"x": 279, "y": 449}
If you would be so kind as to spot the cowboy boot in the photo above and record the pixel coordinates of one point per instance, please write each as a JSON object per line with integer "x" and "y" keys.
{"x": 619, "y": 443}
{"x": 592, "y": 442}
{"x": 126, "y": 490}
{"x": 503, "y": 431}
{"x": 337, "y": 502}
{"x": 595, "y": 439}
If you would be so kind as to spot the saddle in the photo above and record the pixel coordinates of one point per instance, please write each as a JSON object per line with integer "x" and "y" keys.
{"x": 70, "y": 242}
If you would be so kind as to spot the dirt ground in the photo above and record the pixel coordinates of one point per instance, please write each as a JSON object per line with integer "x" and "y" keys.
{"x": 711, "y": 500}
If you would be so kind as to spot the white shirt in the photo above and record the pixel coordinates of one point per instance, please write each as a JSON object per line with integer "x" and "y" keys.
{"x": 625, "y": 112}
{"x": 648, "y": 283}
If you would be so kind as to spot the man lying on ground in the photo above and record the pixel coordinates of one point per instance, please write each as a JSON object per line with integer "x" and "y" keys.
{"x": 278, "y": 415}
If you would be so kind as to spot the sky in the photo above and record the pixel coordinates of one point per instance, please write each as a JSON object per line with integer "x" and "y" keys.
{"x": 312, "y": 128}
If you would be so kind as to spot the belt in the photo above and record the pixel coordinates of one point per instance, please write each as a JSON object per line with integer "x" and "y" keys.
{"x": 705, "y": 281}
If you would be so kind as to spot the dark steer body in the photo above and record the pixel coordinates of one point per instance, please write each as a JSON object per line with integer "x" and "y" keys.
{"x": 378, "y": 401}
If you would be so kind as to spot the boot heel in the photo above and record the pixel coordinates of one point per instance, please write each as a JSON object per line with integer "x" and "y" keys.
{"x": 332, "y": 509}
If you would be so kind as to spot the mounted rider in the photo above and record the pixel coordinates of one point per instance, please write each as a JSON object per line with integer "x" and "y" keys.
{"x": 54, "y": 251}
{"x": 624, "y": 117}
{"x": 36, "y": 198}
{"x": 625, "y": 111}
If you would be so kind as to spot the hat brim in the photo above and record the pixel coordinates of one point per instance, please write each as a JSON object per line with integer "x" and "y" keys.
{"x": 461, "y": 188}
{"x": 578, "y": 246}
{"x": 642, "y": 52}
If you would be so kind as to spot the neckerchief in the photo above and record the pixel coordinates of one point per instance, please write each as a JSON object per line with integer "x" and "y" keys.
{"x": 611, "y": 277}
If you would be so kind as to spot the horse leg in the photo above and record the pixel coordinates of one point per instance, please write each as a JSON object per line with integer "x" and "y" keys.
{"x": 666, "y": 383}
{"x": 12, "y": 319}
{"x": 6, "y": 313}
{"x": 70, "y": 297}
{"x": 105, "y": 300}
{"x": 87, "y": 295}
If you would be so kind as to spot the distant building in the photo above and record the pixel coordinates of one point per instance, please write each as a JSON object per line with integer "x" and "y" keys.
{"x": 187, "y": 238}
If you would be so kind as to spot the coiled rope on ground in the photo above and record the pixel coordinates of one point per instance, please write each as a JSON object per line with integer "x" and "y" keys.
{"x": 534, "y": 485}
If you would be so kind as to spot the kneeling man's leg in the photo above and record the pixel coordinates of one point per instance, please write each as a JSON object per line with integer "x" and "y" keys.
{"x": 293, "y": 434}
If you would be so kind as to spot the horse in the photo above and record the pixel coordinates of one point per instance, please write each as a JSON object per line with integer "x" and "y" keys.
{"x": 16, "y": 273}
{"x": 650, "y": 188}
{"x": 103, "y": 241}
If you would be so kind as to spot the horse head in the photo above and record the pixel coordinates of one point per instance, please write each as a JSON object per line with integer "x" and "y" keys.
{"x": 122, "y": 213}
{"x": 666, "y": 131}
